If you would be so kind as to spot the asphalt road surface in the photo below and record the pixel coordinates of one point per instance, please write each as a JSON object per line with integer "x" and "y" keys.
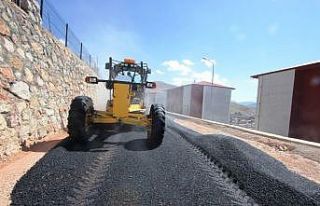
{"x": 116, "y": 168}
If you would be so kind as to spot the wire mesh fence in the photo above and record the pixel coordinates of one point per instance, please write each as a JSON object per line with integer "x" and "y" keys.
{"x": 55, "y": 24}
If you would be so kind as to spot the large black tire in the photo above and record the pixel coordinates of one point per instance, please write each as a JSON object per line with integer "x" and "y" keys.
{"x": 78, "y": 125}
{"x": 158, "y": 124}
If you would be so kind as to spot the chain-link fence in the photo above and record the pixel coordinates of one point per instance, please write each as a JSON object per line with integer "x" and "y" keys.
{"x": 54, "y": 23}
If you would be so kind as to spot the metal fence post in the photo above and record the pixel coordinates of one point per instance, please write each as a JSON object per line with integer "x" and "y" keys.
{"x": 90, "y": 60}
{"x": 66, "y": 37}
{"x": 41, "y": 8}
{"x": 81, "y": 50}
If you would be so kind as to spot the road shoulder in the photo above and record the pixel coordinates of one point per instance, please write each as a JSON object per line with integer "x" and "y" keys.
{"x": 13, "y": 168}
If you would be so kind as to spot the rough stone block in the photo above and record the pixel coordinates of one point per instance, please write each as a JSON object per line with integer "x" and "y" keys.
{"x": 4, "y": 107}
{"x": 16, "y": 62}
{"x": 49, "y": 112}
{"x": 7, "y": 73}
{"x": 34, "y": 103}
{"x": 4, "y": 29}
{"x": 42, "y": 132}
{"x": 40, "y": 81}
{"x": 21, "y": 52}
{"x": 3, "y": 122}
{"x": 21, "y": 89}
{"x": 28, "y": 75}
{"x": 24, "y": 132}
{"x": 12, "y": 119}
{"x": 37, "y": 48}
{"x": 8, "y": 45}
{"x": 21, "y": 105}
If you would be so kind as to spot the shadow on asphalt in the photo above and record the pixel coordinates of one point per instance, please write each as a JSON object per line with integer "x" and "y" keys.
{"x": 101, "y": 143}
{"x": 137, "y": 145}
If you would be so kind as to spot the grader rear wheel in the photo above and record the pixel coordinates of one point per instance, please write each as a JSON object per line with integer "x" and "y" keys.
{"x": 78, "y": 124}
{"x": 155, "y": 136}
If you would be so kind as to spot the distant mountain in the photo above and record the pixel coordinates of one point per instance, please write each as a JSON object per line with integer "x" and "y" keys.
{"x": 249, "y": 104}
{"x": 243, "y": 109}
{"x": 241, "y": 115}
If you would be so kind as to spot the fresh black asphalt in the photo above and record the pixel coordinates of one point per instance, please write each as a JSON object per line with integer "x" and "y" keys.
{"x": 116, "y": 168}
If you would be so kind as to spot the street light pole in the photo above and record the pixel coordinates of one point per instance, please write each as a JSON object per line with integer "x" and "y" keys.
{"x": 212, "y": 62}
{"x": 212, "y": 73}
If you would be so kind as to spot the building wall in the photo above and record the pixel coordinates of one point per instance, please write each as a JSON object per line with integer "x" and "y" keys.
{"x": 175, "y": 100}
{"x": 216, "y": 103}
{"x": 159, "y": 97}
{"x": 186, "y": 103}
{"x": 305, "y": 112}
{"x": 274, "y": 102}
{"x": 149, "y": 99}
{"x": 38, "y": 79}
{"x": 196, "y": 101}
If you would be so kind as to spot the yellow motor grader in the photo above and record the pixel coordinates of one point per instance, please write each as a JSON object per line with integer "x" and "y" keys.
{"x": 127, "y": 82}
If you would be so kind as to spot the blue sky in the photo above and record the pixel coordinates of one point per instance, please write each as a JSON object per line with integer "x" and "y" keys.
{"x": 244, "y": 37}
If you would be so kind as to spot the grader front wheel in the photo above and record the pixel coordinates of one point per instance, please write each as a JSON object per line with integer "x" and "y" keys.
{"x": 78, "y": 124}
{"x": 155, "y": 136}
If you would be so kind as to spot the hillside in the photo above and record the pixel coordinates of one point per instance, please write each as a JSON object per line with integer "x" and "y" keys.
{"x": 242, "y": 115}
{"x": 245, "y": 110}
{"x": 248, "y": 104}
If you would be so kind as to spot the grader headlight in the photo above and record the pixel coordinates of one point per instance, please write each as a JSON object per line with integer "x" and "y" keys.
{"x": 91, "y": 80}
{"x": 151, "y": 85}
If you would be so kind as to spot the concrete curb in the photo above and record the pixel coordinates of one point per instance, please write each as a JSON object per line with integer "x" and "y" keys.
{"x": 266, "y": 134}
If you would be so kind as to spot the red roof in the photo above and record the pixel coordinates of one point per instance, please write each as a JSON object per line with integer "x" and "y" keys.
{"x": 204, "y": 83}
{"x": 310, "y": 65}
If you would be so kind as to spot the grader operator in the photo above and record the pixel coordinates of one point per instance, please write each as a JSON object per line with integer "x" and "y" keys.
{"x": 125, "y": 106}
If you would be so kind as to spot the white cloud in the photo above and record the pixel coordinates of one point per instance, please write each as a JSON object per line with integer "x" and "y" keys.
{"x": 183, "y": 67}
{"x": 273, "y": 29}
{"x": 187, "y": 62}
{"x": 158, "y": 71}
{"x": 198, "y": 77}
{"x": 184, "y": 74}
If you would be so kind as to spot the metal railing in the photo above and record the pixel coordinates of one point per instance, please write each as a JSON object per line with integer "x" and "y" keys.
{"x": 55, "y": 24}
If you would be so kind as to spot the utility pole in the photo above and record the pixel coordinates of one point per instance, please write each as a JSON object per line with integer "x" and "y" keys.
{"x": 212, "y": 62}
{"x": 212, "y": 73}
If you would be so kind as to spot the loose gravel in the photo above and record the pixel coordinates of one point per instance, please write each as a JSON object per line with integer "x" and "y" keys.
{"x": 118, "y": 169}
{"x": 263, "y": 178}
{"x": 187, "y": 169}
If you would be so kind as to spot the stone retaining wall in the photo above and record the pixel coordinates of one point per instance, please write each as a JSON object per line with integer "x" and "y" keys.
{"x": 38, "y": 78}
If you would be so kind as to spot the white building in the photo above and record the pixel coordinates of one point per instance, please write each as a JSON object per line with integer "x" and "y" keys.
{"x": 203, "y": 100}
{"x": 157, "y": 95}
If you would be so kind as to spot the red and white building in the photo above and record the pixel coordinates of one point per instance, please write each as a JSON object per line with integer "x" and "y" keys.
{"x": 203, "y": 100}
{"x": 288, "y": 102}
